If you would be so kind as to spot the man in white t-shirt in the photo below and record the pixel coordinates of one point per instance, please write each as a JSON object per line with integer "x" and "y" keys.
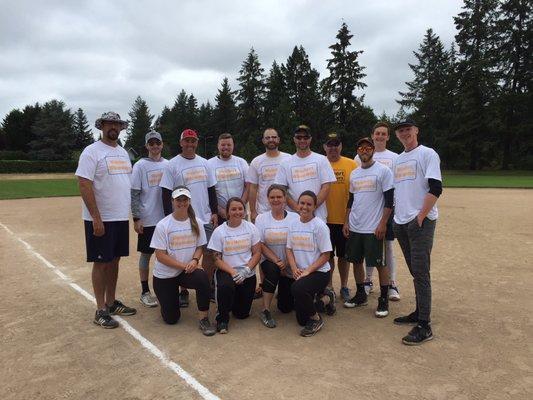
{"x": 230, "y": 173}
{"x": 306, "y": 170}
{"x": 104, "y": 173}
{"x": 191, "y": 170}
{"x": 262, "y": 171}
{"x": 146, "y": 206}
{"x": 417, "y": 186}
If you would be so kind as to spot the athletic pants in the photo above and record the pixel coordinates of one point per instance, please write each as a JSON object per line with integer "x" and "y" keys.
{"x": 167, "y": 292}
{"x": 232, "y": 297}
{"x": 304, "y": 291}
{"x": 416, "y": 243}
{"x": 274, "y": 278}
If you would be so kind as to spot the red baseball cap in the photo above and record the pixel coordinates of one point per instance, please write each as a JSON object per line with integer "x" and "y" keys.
{"x": 189, "y": 133}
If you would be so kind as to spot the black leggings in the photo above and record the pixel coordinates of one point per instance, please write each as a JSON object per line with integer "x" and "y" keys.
{"x": 304, "y": 291}
{"x": 274, "y": 278}
{"x": 232, "y": 297}
{"x": 167, "y": 292}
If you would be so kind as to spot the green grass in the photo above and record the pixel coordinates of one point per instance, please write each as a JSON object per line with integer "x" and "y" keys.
{"x": 27, "y": 188}
{"x": 488, "y": 179}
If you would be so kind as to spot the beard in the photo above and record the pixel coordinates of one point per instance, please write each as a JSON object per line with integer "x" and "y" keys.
{"x": 112, "y": 134}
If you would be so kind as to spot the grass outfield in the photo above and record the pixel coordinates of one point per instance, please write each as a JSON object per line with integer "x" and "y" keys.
{"x": 27, "y": 188}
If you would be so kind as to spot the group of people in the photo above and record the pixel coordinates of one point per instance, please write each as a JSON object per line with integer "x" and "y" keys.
{"x": 304, "y": 209}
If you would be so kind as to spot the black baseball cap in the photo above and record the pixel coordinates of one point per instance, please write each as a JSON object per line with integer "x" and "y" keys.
{"x": 303, "y": 128}
{"x": 365, "y": 140}
{"x": 404, "y": 122}
{"x": 333, "y": 137}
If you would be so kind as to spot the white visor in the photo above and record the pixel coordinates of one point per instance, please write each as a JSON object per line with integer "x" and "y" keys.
{"x": 181, "y": 192}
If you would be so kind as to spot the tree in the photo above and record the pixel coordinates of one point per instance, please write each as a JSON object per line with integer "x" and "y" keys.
{"x": 206, "y": 130}
{"x": 225, "y": 112}
{"x": 17, "y": 127}
{"x": 82, "y": 130}
{"x": 53, "y": 132}
{"x": 140, "y": 125}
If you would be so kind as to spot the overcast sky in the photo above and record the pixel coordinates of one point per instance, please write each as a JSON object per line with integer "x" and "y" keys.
{"x": 100, "y": 55}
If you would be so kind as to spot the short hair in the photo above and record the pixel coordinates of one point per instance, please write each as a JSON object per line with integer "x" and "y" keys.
{"x": 224, "y": 136}
{"x": 381, "y": 124}
{"x": 310, "y": 194}
{"x": 270, "y": 129}
{"x": 278, "y": 187}
{"x": 231, "y": 200}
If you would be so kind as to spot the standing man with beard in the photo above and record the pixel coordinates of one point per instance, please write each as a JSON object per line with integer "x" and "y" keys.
{"x": 104, "y": 173}
{"x": 191, "y": 170}
{"x": 262, "y": 171}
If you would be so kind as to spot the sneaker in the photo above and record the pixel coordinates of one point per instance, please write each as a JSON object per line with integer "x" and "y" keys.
{"x": 206, "y": 327}
{"x": 411, "y": 319}
{"x": 383, "y": 307}
{"x": 345, "y": 294}
{"x": 118, "y": 308}
{"x": 369, "y": 287}
{"x": 184, "y": 299}
{"x": 312, "y": 327}
{"x": 418, "y": 335}
{"x": 330, "y": 308}
{"x": 360, "y": 299}
{"x": 394, "y": 293}
{"x": 148, "y": 299}
{"x": 266, "y": 319}
{"x": 102, "y": 318}
{"x": 222, "y": 327}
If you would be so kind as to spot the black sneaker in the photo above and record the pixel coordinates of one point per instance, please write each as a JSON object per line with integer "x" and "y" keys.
{"x": 312, "y": 327}
{"x": 118, "y": 308}
{"x": 222, "y": 327}
{"x": 206, "y": 327}
{"x": 102, "y": 318}
{"x": 383, "y": 307}
{"x": 360, "y": 299}
{"x": 418, "y": 335}
{"x": 411, "y": 319}
{"x": 266, "y": 319}
{"x": 330, "y": 307}
{"x": 184, "y": 299}
{"x": 319, "y": 306}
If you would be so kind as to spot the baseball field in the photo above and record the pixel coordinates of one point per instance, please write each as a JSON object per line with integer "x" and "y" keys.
{"x": 483, "y": 348}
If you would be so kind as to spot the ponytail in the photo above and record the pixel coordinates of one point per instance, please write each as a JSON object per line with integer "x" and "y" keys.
{"x": 194, "y": 223}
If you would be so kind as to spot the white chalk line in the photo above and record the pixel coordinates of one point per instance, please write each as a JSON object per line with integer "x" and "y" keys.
{"x": 152, "y": 348}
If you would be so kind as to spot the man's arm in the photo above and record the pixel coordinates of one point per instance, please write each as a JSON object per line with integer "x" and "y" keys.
{"x": 213, "y": 205}
{"x": 245, "y": 192}
{"x": 435, "y": 190}
{"x": 166, "y": 198}
{"x": 322, "y": 195}
{"x": 252, "y": 199}
{"x": 87, "y": 194}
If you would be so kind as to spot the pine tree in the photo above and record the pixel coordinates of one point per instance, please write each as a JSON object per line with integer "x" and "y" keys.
{"x": 206, "y": 130}
{"x": 53, "y": 132}
{"x": 17, "y": 127}
{"x": 82, "y": 130}
{"x": 140, "y": 125}
{"x": 225, "y": 112}
{"x": 162, "y": 124}
{"x": 191, "y": 116}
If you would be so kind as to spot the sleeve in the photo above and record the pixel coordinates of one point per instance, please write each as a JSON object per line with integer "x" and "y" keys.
{"x": 245, "y": 167}
{"x": 323, "y": 239}
{"x": 386, "y": 183}
{"x": 215, "y": 243}
{"x": 211, "y": 177}
{"x": 252, "y": 175}
{"x": 327, "y": 175}
{"x": 202, "y": 239}
{"x": 167, "y": 180}
{"x": 136, "y": 176}
{"x": 159, "y": 238}
{"x": 255, "y": 234}
{"x": 433, "y": 166}
{"x": 260, "y": 228}
{"x": 281, "y": 176}
{"x": 86, "y": 165}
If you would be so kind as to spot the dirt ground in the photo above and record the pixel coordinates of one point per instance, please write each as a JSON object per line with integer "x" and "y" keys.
{"x": 482, "y": 323}
{"x": 62, "y": 175}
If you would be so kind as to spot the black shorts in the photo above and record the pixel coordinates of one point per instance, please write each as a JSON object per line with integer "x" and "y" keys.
{"x": 114, "y": 243}
{"x": 144, "y": 239}
{"x": 389, "y": 234}
{"x": 338, "y": 241}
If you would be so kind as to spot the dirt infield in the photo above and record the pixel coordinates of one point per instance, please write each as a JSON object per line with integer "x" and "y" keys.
{"x": 483, "y": 329}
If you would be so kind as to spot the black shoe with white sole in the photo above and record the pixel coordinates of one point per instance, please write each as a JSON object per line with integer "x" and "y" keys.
{"x": 418, "y": 335}
{"x": 383, "y": 307}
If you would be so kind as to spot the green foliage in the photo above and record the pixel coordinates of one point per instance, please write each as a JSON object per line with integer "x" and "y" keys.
{"x": 17, "y": 127}
{"x": 13, "y": 155}
{"x": 225, "y": 112}
{"x": 31, "y": 167}
{"x": 82, "y": 131}
{"x": 140, "y": 125}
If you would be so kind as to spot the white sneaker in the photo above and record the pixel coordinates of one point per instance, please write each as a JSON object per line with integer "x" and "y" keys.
{"x": 369, "y": 287}
{"x": 394, "y": 293}
{"x": 148, "y": 299}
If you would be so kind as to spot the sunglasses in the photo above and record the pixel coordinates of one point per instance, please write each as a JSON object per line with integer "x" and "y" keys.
{"x": 365, "y": 148}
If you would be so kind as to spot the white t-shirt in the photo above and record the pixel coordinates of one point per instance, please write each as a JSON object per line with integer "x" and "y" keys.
{"x": 308, "y": 173}
{"x": 146, "y": 176}
{"x": 235, "y": 244}
{"x": 273, "y": 233}
{"x": 179, "y": 241}
{"x": 109, "y": 168}
{"x": 411, "y": 173}
{"x": 230, "y": 175}
{"x": 385, "y": 157}
{"x": 308, "y": 241}
{"x": 262, "y": 172}
{"x": 194, "y": 174}
{"x": 368, "y": 186}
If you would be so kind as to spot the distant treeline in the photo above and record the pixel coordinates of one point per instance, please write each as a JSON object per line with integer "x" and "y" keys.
{"x": 473, "y": 101}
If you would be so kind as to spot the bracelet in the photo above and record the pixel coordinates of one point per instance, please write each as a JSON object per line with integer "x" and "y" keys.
{"x": 197, "y": 260}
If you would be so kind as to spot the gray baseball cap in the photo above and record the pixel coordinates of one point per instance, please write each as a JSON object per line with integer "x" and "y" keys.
{"x": 152, "y": 135}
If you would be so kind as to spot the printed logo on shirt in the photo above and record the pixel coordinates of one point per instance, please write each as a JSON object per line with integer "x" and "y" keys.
{"x": 238, "y": 244}
{"x": 304, "y": 173}
{"x": 182, "y": 239}
{"x": 194, "y": 175}
{"x": 340, "y": 175}
{"x": 117, "y": 165}
{"x": 364, "y": 184}
{"x": 154, "y": 177}
{"x": 268, "y": 172}
{"x": 276, "y": 236}
{"x": 405, "y": 171}
{"x": 386, "y": 162}
{"x": 224, "y": 174}
{"x": 303, "y": 241}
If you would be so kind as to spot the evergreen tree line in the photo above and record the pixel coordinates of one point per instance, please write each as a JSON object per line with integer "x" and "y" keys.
{"x": 472, "y": 101}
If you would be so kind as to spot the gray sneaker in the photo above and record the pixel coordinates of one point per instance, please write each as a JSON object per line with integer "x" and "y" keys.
{"x": 102, "y": 318}
{"x": 148, "y": 300}
{"x": 118, "y": 308}
{"x": 206, "y": 327}
{"x": 266, "y": 319}
{"x": 312, "y": 327}
{"x": 330, "y": 307}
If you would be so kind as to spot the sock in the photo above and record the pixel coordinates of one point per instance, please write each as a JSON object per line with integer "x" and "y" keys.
{"x": 384, "y": 291}
{"x": 369, "y": 271}
{"x": 144, "y": 285}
